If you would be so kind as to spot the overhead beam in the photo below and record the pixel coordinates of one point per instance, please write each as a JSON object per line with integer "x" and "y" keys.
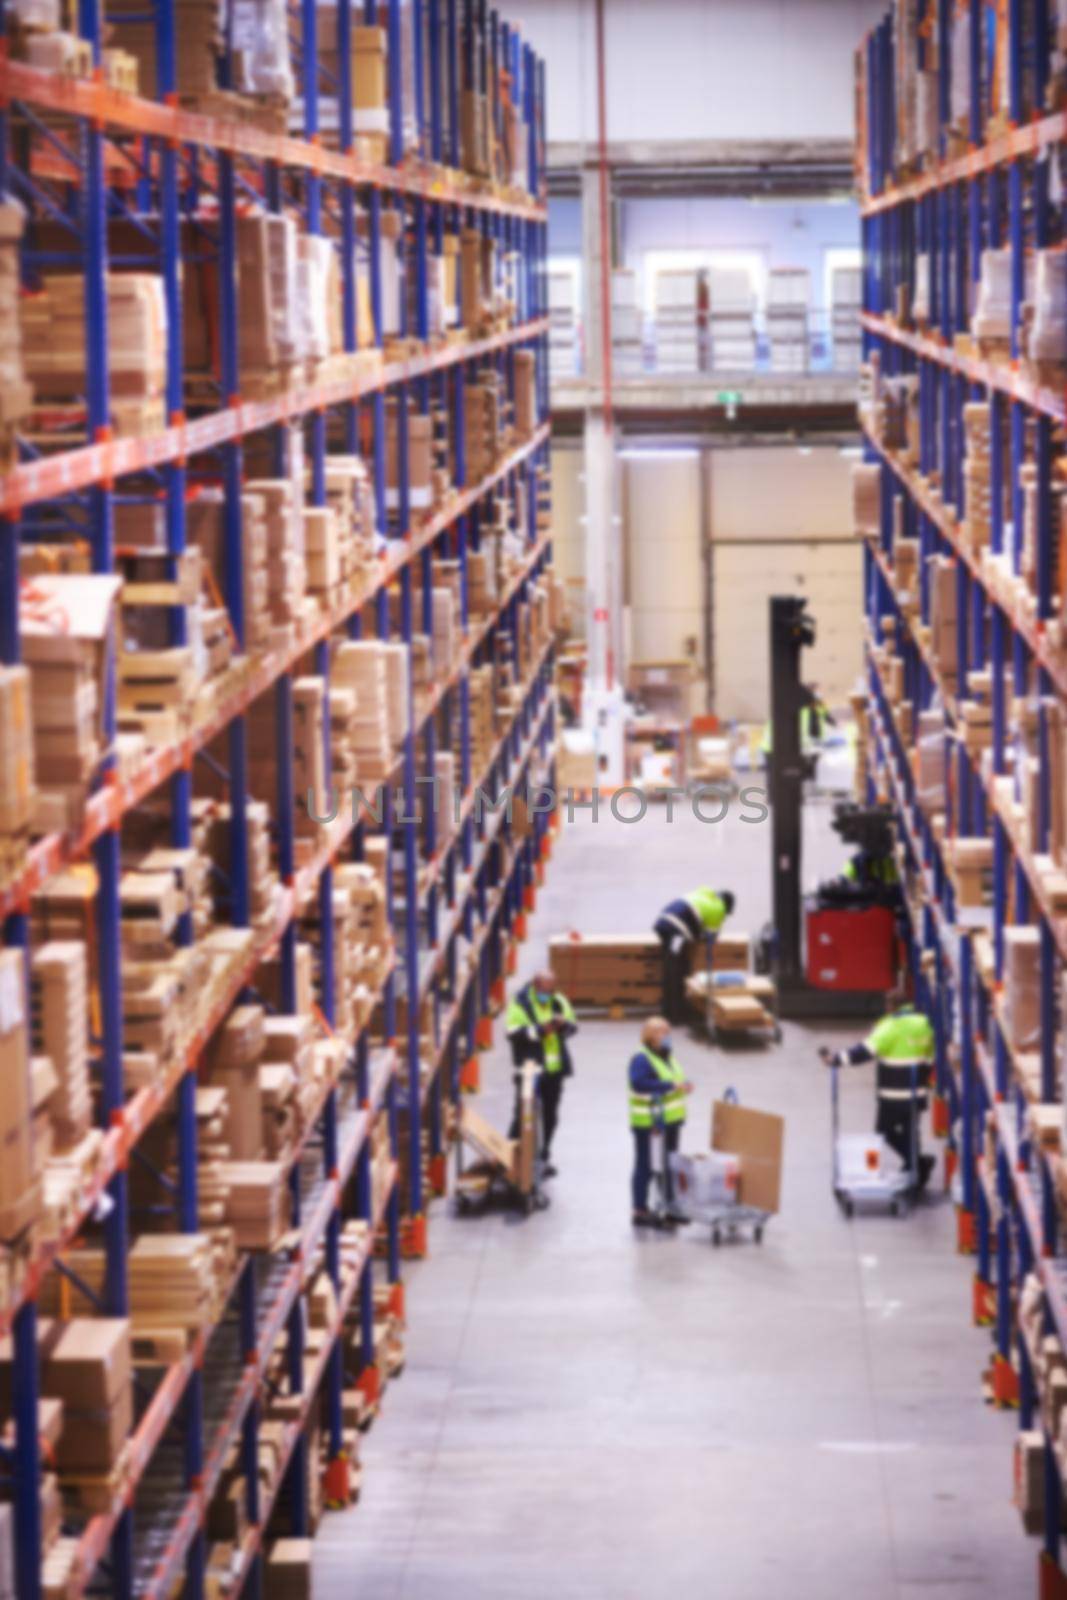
{"x": 712, "y": 166}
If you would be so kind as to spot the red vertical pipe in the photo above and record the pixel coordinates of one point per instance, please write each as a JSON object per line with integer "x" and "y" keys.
{"x": 604, "y": 184}
{"x": 605, "y": 210}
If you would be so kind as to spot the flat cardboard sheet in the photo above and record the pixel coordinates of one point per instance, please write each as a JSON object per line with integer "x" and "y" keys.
{"x": 757, "y": 1137}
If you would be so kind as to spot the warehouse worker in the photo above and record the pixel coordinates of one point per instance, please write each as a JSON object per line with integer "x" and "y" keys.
{"x": 902, "y": 1045}
{"x": 539, "y": 1023}
{"x": 658, "y": 1090}
{"x": 815, "y": 718}
{"x": 699, "y": 914}
{"x": 874, "y": 872}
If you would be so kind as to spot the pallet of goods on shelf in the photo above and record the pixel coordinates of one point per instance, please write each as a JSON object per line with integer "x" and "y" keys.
{"x": 681, "y": 299}
{"x": 731, "y": 321}
{"x": 788, "y": 311}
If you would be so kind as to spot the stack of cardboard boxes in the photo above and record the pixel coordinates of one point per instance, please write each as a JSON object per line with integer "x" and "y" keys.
{"x": 86, "y": 1367}
{"x": 60, "y": 994}
{"x": 16, "y": 396}
{"x": 17, "y": 788}
{"x": 362, "y": 666}
{"x": 206, "y": 531}
{"x": 482, "y": 696}
{"x": 360, "y": 943}
{"x": 20, "y": 1177}
{"x": 609, "y": 969}
{"x": 977, "y": 501}
{"x": 66, "y": 628}
{"x": 866, "y": 499}
{"x": 1021, "y": 1005}
{"x": 283, "y": 519}
{"x": 420, "y": 495}
{"x": 483, "y": 416}
{"x": 627, "y": 969}
{"x": 199, "y": 37}
{"x": 943, "y": 617}
{"x": 54, "y": 344}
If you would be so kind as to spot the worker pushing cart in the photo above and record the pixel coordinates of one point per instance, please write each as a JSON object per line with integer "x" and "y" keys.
{"x": 902, "y": 1045}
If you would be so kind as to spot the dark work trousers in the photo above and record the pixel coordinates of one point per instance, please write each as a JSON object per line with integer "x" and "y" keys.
{"x": 675, "y": 972}
{"x": 642, "y": 1175}
{"x": 550, "y": 1089}
{"x": 898, "y": 1123}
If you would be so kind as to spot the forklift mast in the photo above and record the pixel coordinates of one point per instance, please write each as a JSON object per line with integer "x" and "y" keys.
{"x": 792, "y": 630}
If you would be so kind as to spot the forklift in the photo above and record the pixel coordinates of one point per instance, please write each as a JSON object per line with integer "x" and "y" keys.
{"x": 836, "y": 954}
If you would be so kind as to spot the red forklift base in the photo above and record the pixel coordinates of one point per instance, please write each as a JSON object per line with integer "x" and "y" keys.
{"x": 966, "y": 1232}
{"x": 851, "y": 948}
{"x": 511, "y": 960}
{"x": 337, "y": 1484}
{"x": 518, "y": 926}
{"x": 1051, "y": 1580}
{"x": 470, "y": 1075}
{"x": 529, "y": 897}
{"x": 497, "y": 992}
{"x": 396, "y": 1299}
{"x": 983, "y": 1303}
{"x": 483, "y": 1033}
{"x": 438, "y": 1174}
{"x": 952, "y": 1161}
{"x": 1005, "y": 1384}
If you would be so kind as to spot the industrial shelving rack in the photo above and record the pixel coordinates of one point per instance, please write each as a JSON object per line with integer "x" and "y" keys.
{"x": 987, "y": 182}
{"x": 462, "y": 900}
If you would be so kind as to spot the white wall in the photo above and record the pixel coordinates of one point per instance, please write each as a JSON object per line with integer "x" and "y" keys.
{"x": 780, "y": 522}
{"x": 710, "y": 69}
{"x": 665, "y": 582}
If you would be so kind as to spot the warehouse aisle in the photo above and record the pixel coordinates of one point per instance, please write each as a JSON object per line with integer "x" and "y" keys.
{"x": 586, "y": 1413}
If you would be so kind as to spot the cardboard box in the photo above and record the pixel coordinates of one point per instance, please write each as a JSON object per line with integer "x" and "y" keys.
{"x": 85, "y": 1362}
{"x": 1021, "y": 1013}
{"x": 92, "y": 1441}
{"x": 20, "y": 1189}
{"x": 1029, "y": 1478}
{"x": 756, "y": 1138}
{"x": 287, "y": 1573}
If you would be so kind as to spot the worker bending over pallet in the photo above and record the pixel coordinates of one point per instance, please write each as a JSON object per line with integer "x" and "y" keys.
{"x": 699, "y": 914}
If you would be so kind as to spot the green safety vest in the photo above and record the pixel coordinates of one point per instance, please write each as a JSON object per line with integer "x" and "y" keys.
{"x": 642, "y": 1106}
{"x": 882, "y": 869}
{"x": 902, "y": 1042}
{"x": 558, "y": 1007}
{"x": 809, "y": 741}
{"x": 709, "y": 907}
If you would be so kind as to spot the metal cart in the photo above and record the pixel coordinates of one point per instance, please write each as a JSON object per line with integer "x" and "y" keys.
{"x": 726, "y": 1219}
{"x": 861, "y": 1175}
{"x": 704, "y": 997}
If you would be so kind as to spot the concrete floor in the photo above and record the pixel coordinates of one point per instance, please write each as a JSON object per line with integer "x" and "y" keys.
{"x": 588, "y": 1413}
